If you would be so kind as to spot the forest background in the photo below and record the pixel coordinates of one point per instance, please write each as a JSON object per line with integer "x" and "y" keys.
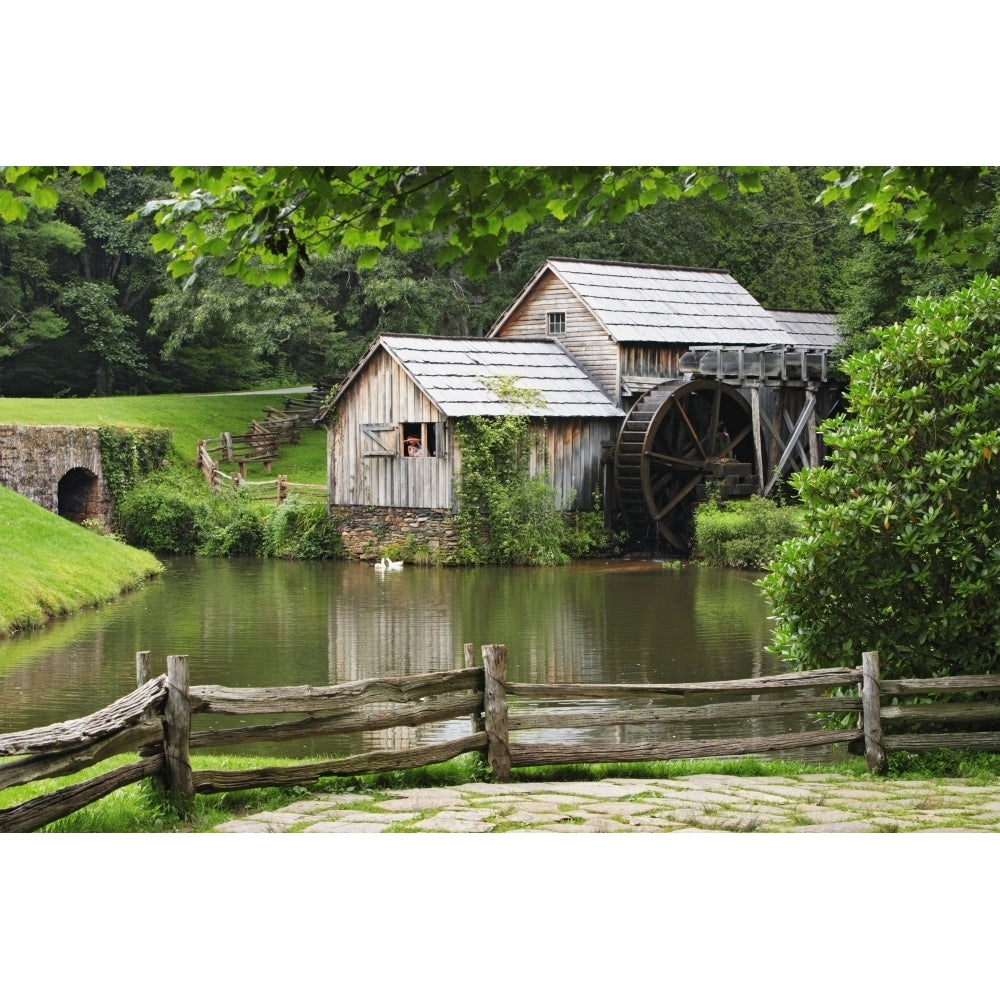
{"x": 87, "y": 307}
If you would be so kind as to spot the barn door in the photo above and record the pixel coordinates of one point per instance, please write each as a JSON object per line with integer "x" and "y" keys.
{"x": 379, "y": 440}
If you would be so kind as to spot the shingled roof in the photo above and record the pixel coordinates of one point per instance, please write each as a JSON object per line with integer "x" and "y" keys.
{"x": 809, "y": 329}
{"x": 456, "y": 374}
{"x": 647, "y": 302}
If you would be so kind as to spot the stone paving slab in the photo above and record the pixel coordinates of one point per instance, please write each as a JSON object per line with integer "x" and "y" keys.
{"x": 821, "y": 803}
{"x": 335, "y": 827}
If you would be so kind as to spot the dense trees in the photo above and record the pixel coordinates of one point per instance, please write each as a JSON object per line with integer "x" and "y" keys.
{"x": 86, "y": 304}
{"x": 76, "y": 283}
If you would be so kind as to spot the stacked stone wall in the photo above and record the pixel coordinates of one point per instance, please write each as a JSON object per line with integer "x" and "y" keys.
{"x": 34, "y": 459}
{"x": 367, "y": 530}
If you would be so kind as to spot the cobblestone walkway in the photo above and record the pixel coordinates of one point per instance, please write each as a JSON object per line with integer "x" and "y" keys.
{"x": 709, "y": 802}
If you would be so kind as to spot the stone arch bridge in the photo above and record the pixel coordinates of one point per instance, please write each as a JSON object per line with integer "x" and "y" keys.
{"x": 58, "y": 468}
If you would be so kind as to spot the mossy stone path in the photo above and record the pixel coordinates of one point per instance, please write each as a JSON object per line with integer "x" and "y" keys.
{"x": 824, "y": 803}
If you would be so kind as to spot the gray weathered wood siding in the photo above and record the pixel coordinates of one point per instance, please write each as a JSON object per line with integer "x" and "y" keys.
{"x": 383, "y": 395}
{"x": 584, "y": 338}
{"x": 648, "y": 361}
{"x": 571, "y": 451}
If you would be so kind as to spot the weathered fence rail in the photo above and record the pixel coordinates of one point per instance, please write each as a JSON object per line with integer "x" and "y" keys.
{"x": 240, "y": 449}
{"x": 156, "y": 721}
{"x": 278, "y": 489}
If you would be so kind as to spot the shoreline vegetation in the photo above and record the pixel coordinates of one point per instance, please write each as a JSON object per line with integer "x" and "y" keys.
{"x": 53, "y": 568}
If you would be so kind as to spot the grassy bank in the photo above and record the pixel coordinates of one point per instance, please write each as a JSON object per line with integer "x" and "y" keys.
{"x": 54, "y": 567}
{"x": 188, "y": 417}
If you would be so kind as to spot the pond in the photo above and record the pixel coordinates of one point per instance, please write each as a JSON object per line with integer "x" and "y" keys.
{"x": 267, "y": 622}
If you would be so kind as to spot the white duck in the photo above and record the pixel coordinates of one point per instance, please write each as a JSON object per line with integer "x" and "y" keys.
{"x": 385, "y": 564}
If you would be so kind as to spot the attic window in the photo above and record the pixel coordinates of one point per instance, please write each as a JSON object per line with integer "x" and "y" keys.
{"x": 556, "y": 322}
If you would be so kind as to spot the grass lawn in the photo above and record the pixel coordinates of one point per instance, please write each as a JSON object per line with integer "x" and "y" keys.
{"x": 189, "y": 418}
{"x": 54, "y": 567}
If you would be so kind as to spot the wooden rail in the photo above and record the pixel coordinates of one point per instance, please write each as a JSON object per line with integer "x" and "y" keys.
{"x": 156, "y": 720}
{"x": 278, "y": 489}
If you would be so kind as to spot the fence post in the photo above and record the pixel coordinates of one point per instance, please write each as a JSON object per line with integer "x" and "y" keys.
{"x": 177, "y": 726}
{"x": 141, "y": 668}
{"x": 495, "y": 711}
{"x": 478, "y": 723}
{"x": 142, "y": 675}
{"x": 282, "y": 489}
{"x": 875, "y": 758}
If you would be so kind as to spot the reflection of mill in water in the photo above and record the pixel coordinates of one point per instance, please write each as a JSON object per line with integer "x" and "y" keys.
{"x": 561, "y": 625}
{"x": 393, "y": 625}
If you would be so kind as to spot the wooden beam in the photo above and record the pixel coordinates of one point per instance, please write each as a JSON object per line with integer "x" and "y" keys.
{"x": 793, "y": 442}
{"x": 758, "y": 440}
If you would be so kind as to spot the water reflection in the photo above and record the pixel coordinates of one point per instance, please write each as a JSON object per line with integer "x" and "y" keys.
{"x": 256, "y": 623}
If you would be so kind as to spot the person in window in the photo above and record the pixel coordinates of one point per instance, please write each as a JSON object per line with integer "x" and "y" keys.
{"x": 413, "y": 449}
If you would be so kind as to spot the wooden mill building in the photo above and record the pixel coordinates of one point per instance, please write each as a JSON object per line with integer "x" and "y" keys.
{"x": 393, "y": 454}
{"x": 601, "y": 355}
{"x": 629, "y": 325}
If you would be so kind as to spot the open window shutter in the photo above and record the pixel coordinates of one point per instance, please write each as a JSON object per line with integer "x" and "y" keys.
{"x": 379, "y": 441}
{"x": 440, "y": 441}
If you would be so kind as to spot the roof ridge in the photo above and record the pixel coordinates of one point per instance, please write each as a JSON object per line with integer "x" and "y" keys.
{"x": 632, "y": 263}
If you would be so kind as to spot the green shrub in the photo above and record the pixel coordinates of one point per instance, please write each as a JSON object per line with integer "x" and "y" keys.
{"x": 236, "y": 527}
{"x": 901, "y": 544}
{"x": 505, "y": 516}
{"x": 585, "y": 533}
{"x": 300, "y": 530}
{"x": 130, "y": 454}
{"x": 162, "y": 515}
{"x": 743, "y": 534}
{"x": 414, "y": 550}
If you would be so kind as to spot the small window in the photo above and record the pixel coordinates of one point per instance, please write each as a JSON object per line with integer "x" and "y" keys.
{"x": 419, "y": 440}
{"x": 556, "y": 322}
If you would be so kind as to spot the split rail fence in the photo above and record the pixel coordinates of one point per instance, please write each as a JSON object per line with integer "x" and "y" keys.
{"x": 259, "y": 445}
{"x": 156, "y": 720}
{"x": 278, "y": 489}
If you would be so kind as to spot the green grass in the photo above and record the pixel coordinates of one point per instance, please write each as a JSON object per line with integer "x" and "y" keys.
{"x": 139, "y": 808}
{"x": 54, "y": 567}
{"x": 189, "y": 418}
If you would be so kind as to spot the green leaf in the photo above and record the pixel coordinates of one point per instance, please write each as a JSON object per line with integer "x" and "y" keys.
{"x": 162, "y": 239}
{"x": 91, "y": 180}
{"x": 11, "y": 208}
{"x": 45, "y": 197}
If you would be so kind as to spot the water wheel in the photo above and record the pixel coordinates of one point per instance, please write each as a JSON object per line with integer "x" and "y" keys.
{"x": 676, "y": 438}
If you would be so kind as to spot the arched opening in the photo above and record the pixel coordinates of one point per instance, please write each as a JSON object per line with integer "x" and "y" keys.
{"x": 79, "y": 497}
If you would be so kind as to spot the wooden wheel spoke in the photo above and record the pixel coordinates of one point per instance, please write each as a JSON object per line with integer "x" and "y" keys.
{"x": 743, "y": 434}
{"x": 690, "y": 428}
{"x": 710, "y": 441}
{"x": 659, "y": 459}
{"x": 677, "y": 498}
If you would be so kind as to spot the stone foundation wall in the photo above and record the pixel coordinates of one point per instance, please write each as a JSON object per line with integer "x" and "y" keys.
{"x": 367, "y": 530}
{"x": 33, "y": 460}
